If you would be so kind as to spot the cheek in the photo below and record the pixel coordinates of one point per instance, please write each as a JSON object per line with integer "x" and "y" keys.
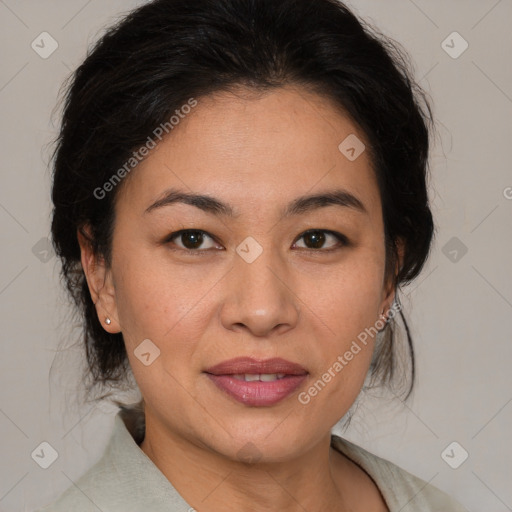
{"x": 347, "y": 303}
{"x": 161, "y": 302}
{"x": 345, "y": 349}
{"x": 164, "y": 309}
{"x": 347, "y": 297}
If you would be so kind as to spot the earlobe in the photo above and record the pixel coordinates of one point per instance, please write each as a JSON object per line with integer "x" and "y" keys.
{"x": 99, "y": 282}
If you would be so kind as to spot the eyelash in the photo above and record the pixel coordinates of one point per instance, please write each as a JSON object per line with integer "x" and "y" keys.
{"x": 342, "y": 239}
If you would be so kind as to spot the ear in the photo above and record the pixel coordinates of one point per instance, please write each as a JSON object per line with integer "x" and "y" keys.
{"x": 390, "y": 289}
{"x": 99, "y": 281}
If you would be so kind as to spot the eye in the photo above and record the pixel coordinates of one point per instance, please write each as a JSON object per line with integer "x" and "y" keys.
{"x": 317, "y": 237}
{"x": 191, "y": 239}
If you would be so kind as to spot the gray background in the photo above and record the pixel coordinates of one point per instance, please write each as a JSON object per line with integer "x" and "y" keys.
{"x": 459, "y": 309}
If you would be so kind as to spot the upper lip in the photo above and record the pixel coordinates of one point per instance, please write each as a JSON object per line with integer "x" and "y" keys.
{"x": 243, "y": 365}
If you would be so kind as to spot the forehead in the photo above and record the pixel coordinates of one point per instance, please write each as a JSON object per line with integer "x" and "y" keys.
{"x": 251, "y": 149}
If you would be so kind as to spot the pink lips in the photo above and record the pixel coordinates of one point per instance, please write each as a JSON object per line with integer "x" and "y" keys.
{"x": 257, "y": 393}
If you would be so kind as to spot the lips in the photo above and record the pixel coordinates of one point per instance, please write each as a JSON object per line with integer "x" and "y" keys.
{"x": 248, "y": 365}
{"x": 257, "y": 383}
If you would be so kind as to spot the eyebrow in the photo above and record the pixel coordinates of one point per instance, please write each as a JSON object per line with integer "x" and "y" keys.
{"x": 298, "y": 206}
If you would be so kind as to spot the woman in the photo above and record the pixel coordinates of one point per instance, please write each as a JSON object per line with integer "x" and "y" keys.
{"x": 239, "y": 191}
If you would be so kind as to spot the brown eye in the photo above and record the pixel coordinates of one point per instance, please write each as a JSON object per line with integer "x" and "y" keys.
{"x": 191, "y": 239}
{"x": 315, "y": 239}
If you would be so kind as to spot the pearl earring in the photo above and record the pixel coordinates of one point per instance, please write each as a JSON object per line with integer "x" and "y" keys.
{"x": 107, "y": 321}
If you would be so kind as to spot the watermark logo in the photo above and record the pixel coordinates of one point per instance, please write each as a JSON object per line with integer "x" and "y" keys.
{"x": 44, "y": 45}
{"x": 454, "y": 250}
{"x": 352, "y": 147}
{"x": 44, "y": 455}
{"x": 249, "y": 250}
{"x": 454, "y": 455}
{"x": 146, "y": 352}
{"x": 454, "y": 45}
{"x": 249, "y": 453}
{"x": 43, "y": 250}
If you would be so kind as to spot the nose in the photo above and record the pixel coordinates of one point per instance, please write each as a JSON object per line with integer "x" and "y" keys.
{"x": 260, "y": 297}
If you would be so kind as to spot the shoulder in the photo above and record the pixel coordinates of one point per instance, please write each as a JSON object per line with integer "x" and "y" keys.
{"x": 401, "y": 490}
{"x": 98, "y": 489}
{"x": 84, "y": 495}
{"x": 123, "y": 480}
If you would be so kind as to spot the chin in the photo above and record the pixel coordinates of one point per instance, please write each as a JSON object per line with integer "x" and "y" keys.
{"x": 266, "y": 444}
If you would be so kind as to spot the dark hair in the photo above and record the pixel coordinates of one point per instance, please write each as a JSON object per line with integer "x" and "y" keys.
{"x": 165, "y": 52}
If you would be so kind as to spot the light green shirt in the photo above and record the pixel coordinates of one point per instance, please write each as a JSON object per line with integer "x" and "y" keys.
{"x": 126, "y": 480}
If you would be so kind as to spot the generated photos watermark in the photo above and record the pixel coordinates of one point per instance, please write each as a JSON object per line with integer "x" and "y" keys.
{"x": 137, "y": 156}
{"x": 343, "y": 360}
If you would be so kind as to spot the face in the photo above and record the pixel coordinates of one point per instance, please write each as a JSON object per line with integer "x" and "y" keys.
{"x": 257, "y": 278}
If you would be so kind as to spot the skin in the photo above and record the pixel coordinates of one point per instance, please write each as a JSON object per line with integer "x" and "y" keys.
{"x": 256, "y": 153}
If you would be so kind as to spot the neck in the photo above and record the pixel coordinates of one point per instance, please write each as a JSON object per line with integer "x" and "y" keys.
{"x": 311, "y": 481}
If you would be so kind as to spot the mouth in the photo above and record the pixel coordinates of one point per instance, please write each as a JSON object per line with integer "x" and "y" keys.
{"x": 261, "y": 377}
{"x": 257, "y": 383}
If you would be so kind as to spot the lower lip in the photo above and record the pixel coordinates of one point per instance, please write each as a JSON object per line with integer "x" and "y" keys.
{"x": 258, "y": 393}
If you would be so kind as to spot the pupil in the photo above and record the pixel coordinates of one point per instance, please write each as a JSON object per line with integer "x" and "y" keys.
{"x": 196, "y": 238}
{"x": 316, "y": 237}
